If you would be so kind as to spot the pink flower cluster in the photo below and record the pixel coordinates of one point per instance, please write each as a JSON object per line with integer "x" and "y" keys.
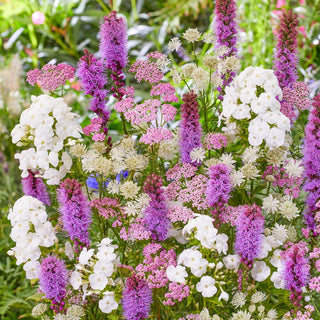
{"x": 148, "y": 70}
{"x": 51, "y": 77}
{"x": 191, "y": 191}
{"x": 305, "y": 315}
{"x": 95, "y": 127}
{"x": 156, "y": 135}
{"x": 215, "y": 141}
{"x": 180, "y": 214}
{"x": 292, "y": 185}
{"x": 155, "y": 264}
{"x": 294, "y": 99}
{"x": 176, "y": 292}
{"x": 186, "y": 170}
{"x": 136, "y": 230}
{"x": 144, "y": 112}
{"x": 106, "y": 207}
{"x": 166, "y": 91}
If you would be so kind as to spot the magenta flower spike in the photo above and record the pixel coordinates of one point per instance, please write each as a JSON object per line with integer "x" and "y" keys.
{"x": 156, "y": 219}
{"x": 190, "y": 134}
{"x": 249, "y": 232}
{"x": 311, "y": 159}
{"x": 53, "y": 279}
{"x": 75, "y": 211}
{"x": 113, "y": 43}
{"x": 137, "y": 299}
{"x": 285, "y": 63}
{"x": 35, "y": 187}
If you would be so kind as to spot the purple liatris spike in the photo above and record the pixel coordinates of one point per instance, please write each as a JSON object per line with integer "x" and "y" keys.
{"x": 75, "y": 211}
{"x": 296, "y": 269}
{"x": 285, "y": 64}
{"x": 113, "y": 43}
{"x": 190, "y": 132}
{"x": 93, "y": 80}
{"x": 137, "y": 299}
{"x": 226, "y": 25}
{"x": 219, "y": 185}
{"x": 35, "y": 187}
{"x": 249, "y": 232}
{"x": 311, "y": 159}
{"x": 53, "y": 278}
{"x": 156, "y": 219}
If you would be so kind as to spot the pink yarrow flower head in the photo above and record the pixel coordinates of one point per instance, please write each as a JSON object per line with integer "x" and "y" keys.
{"x": 190, "y": 134}
{"x": 35, "y": 187}
{"x": 53, "y": 281}
{"x": 75, "y": 211}
{"x": 148, "y": 70}
{"x": 286, "y": 59}
{"x": 137, "y": 299}
{"x": 51, "y": 77}
{"x": 38, "y": 18}
{"x": 249, "y": 233}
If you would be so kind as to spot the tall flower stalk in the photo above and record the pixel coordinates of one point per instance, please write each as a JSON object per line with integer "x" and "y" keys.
{"x": 225, "y": 27}
{"x": 190, "y": 134}
{"x": 137, "y": 299}
{"x": 312, "y": 167}
{"x": 285, "y": 64}
{"x": 75, "y": 211}
{"x": 156, "y": 219}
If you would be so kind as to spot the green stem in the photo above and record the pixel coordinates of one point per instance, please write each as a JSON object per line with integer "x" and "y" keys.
{"x": 123, "y": 124}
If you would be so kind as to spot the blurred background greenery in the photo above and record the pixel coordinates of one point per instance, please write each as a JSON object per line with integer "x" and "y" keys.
{"x": 71, "y": 26}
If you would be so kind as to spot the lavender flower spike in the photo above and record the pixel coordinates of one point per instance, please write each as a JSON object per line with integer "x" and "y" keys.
{"x": 113, "y": 43}
{"x": 75, "y": 211}
{"x": 285, "y": 64}
{"x": 219, "y": 185}
{"x": 311, "y": 161}
{"x": 190, "y": 134}
{"x": 34, "y": 186}
{"x": 53, "y": 279}
{"x": 156, "y": 219}
{"x": 93, "y": 80}
{"x": 249, "y": 233}
{"x": 137, "y": 298}
{"x": 296, "y": 269}
{"x": 226, "y": 26}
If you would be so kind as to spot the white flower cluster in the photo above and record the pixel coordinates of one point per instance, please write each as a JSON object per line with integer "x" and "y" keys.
{"x": 206, "y": 233}
{"x": 102, "y": 264}
{"x": 46, "y": 127}
{"x": 253, "y": 95}
{"x": 30, "y": 230}
{"x": 125, "y": 157}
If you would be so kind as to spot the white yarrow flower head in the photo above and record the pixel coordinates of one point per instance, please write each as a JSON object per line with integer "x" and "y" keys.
{"x": 270, "y": 204}
{"x": 258, "y": 297}
{"x": 294, "y": 168}
{"x": 239, "y": 299}
{"x": 206, "y": 286}
{"x": 198, "y": 154}
{"x": 192, "y": 35}
{"x": 174, "y": 44}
